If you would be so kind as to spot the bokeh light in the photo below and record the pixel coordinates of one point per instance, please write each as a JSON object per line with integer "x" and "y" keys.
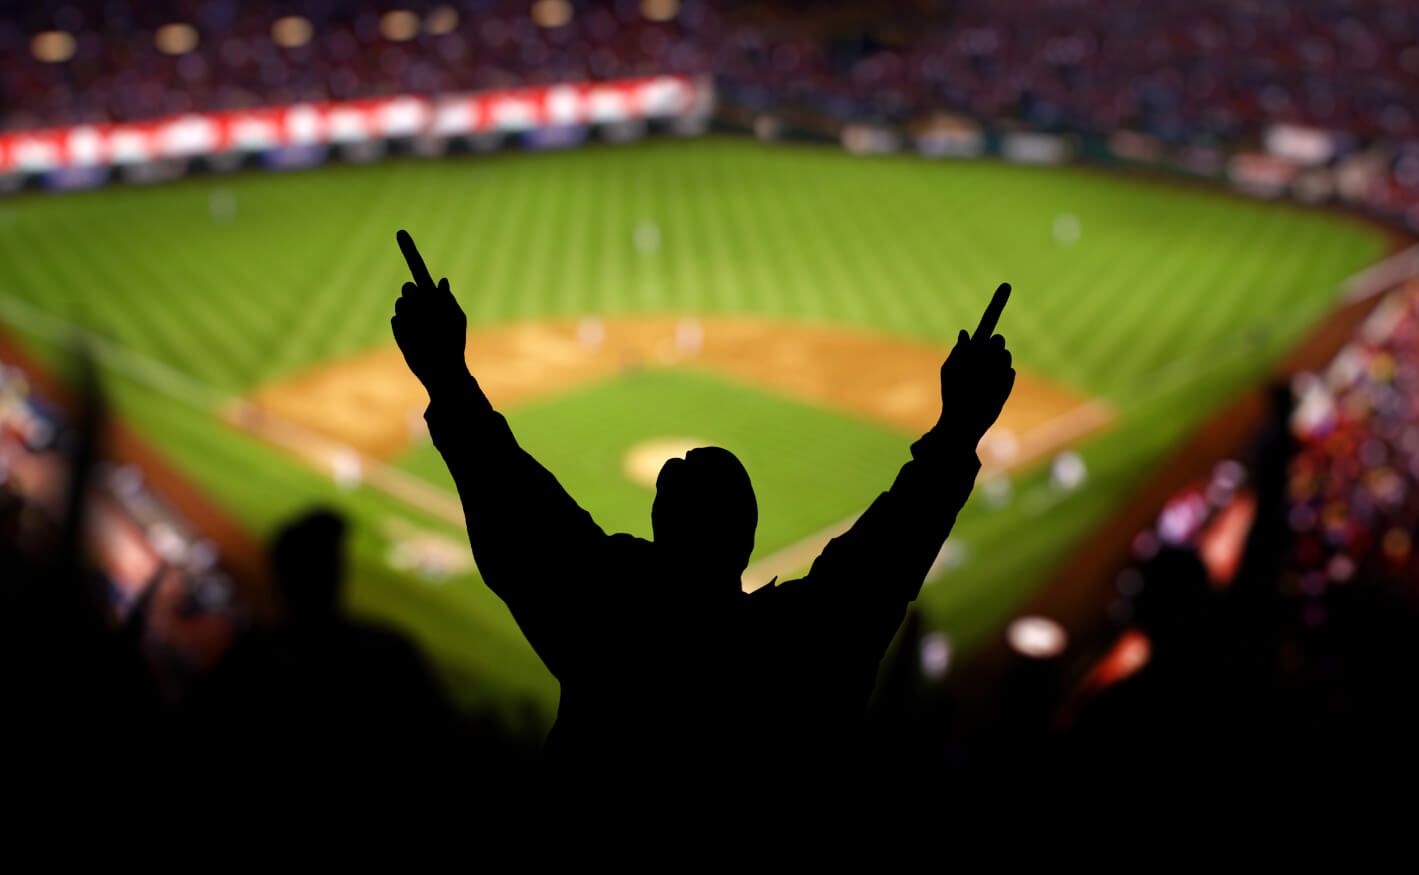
{"x": 53, "y": 46}
{"x": 176, "y": 39}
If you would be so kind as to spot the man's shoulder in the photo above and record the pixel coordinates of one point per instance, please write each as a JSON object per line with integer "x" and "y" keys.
{"x": 773, "y": 598}
{"x": 628, "y": 558}
{"x": 628, "y": 543}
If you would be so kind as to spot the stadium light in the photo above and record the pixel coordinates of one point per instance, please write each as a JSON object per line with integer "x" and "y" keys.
{"x": 52, "y": 46}
{"x": 935, "y": 655}
{"x": 551, "y": 13}
{"x": 175, "y": 39}
{"x": 1036, "y": 637}
{"x": 291, "y": 31}
{"x": 660, "y": 10}
{"x": 441, "y": 20}
{"x": 399, "y": 25}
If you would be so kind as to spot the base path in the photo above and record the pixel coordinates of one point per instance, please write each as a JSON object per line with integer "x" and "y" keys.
{"x": 372, "y": 404}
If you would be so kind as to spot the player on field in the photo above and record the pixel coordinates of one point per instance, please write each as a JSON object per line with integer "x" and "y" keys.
{"x": 669, "y": 671}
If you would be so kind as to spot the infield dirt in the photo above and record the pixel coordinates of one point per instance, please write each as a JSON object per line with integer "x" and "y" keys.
{"x": 373, "y": 405}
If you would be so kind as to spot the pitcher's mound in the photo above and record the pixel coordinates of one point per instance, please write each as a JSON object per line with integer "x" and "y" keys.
{"x": 643, "y": 461}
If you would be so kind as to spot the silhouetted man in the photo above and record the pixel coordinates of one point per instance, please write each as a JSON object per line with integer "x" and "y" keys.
{"x": 321, "y": 697}
{"x": 669, "y": 671}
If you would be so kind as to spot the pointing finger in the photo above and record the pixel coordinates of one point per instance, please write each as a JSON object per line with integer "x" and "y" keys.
{"x": 415, "y": 261}
{"x": 992, "y": 313}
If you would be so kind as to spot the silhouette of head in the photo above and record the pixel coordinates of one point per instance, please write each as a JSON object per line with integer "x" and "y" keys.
{"x": 1175, "y": 597}
{"x": 307, "y": 565}
{"x": 705, "y": 512}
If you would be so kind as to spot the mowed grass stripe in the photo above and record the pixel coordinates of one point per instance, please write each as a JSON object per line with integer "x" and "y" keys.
{"x": 62, "y": 283}
{"x": 1257, "y": 274}
{"x": 358, "y": 308}
{"x": 789, "y": 289}
{"x": 1107, "y": 309}
{"x": 649, "y": 186}
{"x": 1243, "y": 265}
{"x": 975, "y": 263}
{"x": 968, "y": 272}
{"x": 363, "y": 318}
{"x": 1076, "y": 286}
{"x": 308, "y": 338}
{"x": 1175, "y": 297}
{"x": 754, "y": 244}
{"x": 215, "y": 313}
{"x": 252, "y": 263}
{"x": 942, "y": 300}
{"x": 537, "y": 233}
{"x": 936, "y": 302}
{"x": 812, "y": 277}
{"x": 506, "y": 253}
{"x": 573, "y": 244}
{"x": 116, "y": 302}
{"x": 878, "y": 289}
{"x": 715, "y": 259}
{"x": 610, "y": 249}
{"x": 1098, "y": 292}
{"x": 485, "y": 194}
{"x": 684, "y": 237}
{"x": 809, "y": 279}
{"x": 1083, "y": 284}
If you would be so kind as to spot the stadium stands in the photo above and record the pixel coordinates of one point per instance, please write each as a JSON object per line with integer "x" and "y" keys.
{"x": 1179, "y": 70}
{"x": 1353, "y": 487}
{"x": 158, "y": 569}
{"x": 121, "y": 62}
{"x": 1322, "y": 89}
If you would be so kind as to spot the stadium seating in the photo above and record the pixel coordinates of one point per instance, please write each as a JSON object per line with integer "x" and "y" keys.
{"x": 1199, "y": 76}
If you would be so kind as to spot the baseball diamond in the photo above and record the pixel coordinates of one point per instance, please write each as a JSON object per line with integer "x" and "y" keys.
{"x": 790, "y": 302}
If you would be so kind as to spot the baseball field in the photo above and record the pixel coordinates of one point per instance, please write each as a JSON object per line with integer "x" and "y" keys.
{"x": 789, "y": 302}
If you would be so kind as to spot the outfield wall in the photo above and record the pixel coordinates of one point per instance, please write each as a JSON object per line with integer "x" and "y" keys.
{"x": 1306, "y": 165}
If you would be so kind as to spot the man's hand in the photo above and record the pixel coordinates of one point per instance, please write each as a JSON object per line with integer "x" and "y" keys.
{"x": 429, "y": 326}
{"x": 976, "y": 378}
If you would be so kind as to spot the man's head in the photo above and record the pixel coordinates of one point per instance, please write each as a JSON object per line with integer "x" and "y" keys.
{"x": 705, "y": 512}
{"x": 307, "y": 565}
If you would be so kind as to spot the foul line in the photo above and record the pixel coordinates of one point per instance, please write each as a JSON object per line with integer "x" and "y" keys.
{"x": 1382, "y": 275}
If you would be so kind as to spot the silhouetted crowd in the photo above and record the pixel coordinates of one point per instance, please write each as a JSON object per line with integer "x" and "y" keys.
{"x": 134, "y": 670}
{"x": 1292, "y": 669}
{"x": 1266, "y": 637}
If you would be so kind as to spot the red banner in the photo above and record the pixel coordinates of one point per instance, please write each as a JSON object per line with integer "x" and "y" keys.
{"x": 304, "y": 124}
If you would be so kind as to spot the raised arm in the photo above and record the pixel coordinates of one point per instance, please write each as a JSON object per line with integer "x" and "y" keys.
{"x": 521, "y": 522}
{"x": 876, "y": 568}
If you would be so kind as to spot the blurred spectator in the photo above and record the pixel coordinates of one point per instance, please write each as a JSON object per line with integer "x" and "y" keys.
{"x": 319, "y": 695}
{"x": 1182, "y": 71}
{"x": 127, "y": 61}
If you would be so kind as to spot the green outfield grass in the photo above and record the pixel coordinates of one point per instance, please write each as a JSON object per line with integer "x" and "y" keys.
{"x": 1169, "y": 302}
